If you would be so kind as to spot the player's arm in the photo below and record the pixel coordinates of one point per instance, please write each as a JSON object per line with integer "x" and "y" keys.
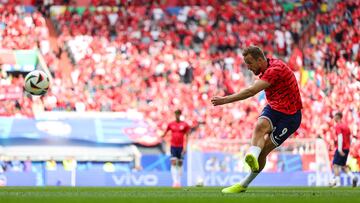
{"x": 258, "y": 86}
{"x": 166, "y": 131}
{"x": 187, "y": 133}
{"x": 186, "y": 141}
{"x": 340, "y": 144}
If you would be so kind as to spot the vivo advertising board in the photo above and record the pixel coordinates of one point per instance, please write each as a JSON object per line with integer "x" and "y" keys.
{"x": 99, "y": 178}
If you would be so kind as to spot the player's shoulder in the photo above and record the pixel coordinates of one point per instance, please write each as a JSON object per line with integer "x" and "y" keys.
{"x": 180, "y": 123}
{"x": 274, "y": 68}
{"x": 341, "y": 126}
{"x": 276, "y": 63}
{"x": 185, "y": 123}
{"x": 345, "y": 126}
{"x": 172, "y": 123}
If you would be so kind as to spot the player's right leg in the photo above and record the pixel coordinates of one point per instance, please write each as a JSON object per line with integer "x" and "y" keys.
{"x": 2, "y": 179}
{"x": 263, "y": 127}
{"x": 336, "y": 180}
{"x": 179, "y": 170}
{"x": 173, "y": 170}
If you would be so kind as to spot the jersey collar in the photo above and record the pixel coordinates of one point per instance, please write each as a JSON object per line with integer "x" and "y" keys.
{"x": 268, "y": 64}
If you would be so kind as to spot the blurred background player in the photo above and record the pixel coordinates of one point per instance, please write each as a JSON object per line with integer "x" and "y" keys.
{"x": 278, "y": 120}
{"x": 342, "y": 151}
{"x": 179, "y": 129}
{"x": 3, "y": 168}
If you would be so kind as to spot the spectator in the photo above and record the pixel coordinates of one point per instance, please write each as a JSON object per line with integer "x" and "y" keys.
{"x": 159, "y": 63}
{"x": 109, "y": 167}
{"x": 16, "y": 165}
{"x": 51, "y": 165}
{"x": 69, "y": 164}
{"x": 28, "y": 165}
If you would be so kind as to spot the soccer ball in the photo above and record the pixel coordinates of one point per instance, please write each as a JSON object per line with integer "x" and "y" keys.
{"x": 37, "y": 82}
{"x": 199, "y": 182}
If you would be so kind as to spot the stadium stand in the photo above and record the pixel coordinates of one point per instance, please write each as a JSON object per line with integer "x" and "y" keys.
{"x": 155, "y": 58}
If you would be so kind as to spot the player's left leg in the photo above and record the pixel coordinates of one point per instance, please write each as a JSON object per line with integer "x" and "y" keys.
{"x": 269, "y": 147}
{"x": 179, "y": 174}
{"x": 349, "y": 173}
{"x": 173, "y": 170}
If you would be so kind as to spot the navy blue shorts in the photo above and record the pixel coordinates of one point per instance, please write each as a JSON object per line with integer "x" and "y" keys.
{"x": 176, "y": 152}
{"x": 282, "y": 125}
{"x": 340, "y": 160}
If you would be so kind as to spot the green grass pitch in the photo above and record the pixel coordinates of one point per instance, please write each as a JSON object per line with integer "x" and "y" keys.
{"x": 181, "y": 195}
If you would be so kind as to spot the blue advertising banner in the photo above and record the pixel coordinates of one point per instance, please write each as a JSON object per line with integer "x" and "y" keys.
{"x": 140, "y": 179}
{"x": 19, "y": 178}
{"x": 99, "y": 130}
{"x": 264, "y": 179}
{"x": 91, "y": 178}
{"x": 58, "y": 178}
{"x": 120, "y": 179}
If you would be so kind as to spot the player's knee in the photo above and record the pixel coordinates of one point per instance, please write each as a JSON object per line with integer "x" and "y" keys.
{"x": 267, "y": 138}
{"x": 262, "y": 126}
{"x": 173, "y": 161}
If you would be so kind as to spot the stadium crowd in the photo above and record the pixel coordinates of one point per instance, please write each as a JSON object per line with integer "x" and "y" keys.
{"x": 156, "y": 59}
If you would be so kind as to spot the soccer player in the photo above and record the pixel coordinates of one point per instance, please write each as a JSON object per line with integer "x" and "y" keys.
{"x": 278, "y": 120}
{"x": 179, "y": 129}
{"x": 342, "y": 150}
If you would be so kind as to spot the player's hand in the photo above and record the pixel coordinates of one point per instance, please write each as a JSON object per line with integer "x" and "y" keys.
{"x": 218, "y": 100}
{"x": 341, "y": 153}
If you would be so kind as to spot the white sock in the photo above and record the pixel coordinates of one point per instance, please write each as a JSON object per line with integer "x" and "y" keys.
{"x": 255, "y": 150}
{"x": 174, "y": 173}
{"x": 337, "y": 181}
{"x": 179, "y": 173}
{"x": 248, "y": 179}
